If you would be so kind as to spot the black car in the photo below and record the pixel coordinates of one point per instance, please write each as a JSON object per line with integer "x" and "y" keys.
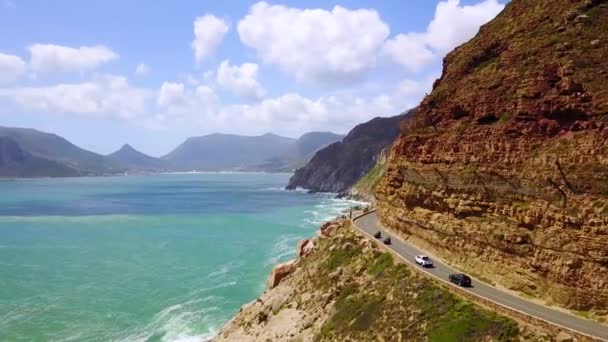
{"x": 378, "y": 235}
{"x": 387, "y": 240}
{"x": 460, "y": 279}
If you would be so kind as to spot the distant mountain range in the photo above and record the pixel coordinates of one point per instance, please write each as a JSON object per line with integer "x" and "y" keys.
{"x": 133, "y": 160}
{"x": 340, "y": 165}
{"x": 31, "y": 153}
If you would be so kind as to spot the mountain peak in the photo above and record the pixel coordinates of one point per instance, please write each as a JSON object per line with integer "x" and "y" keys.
{"x": 127, "y": 147}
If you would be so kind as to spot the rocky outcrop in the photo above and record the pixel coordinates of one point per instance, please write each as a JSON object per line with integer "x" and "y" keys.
{"x": 340, "y": 165}
{"x": 348, "y": 290}
{"x": 305, "y": 247}
{"x": 504, "y": 168}
{"x": 279, "y": 272}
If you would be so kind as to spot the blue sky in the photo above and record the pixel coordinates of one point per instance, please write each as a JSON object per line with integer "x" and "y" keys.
{"x": 151, "y": 74}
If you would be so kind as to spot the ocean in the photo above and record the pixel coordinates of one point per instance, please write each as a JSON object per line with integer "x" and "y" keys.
{"x": 167, "y": 257}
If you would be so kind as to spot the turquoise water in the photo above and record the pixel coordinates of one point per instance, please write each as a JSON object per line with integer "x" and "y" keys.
{"x": 143, "y": 258}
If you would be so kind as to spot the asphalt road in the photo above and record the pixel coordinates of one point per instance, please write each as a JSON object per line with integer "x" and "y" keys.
{"x": 369, "y": 224}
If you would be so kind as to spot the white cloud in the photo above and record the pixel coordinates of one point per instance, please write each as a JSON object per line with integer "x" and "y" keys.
{"x": 410, "y": 51}
{"x": 142, "y": 69}
{"x": 314, "y": 44}
{"x": 107, "y": 96}
{"x": 170, "y": 93}
{"x": 57, "y": 58}
{"x": 175, "y": 99}
{"x": 209, "y": 31}
{"x": 240, "y": 79}
{"x": 11, "y": 67}
{"x": 451, "y": 26}
{"x": 290, "y": 114}
{"x": 454, "y": 24}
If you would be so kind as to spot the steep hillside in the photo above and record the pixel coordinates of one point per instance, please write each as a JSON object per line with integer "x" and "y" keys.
{"x": 53, "y": 147}
{"x": 504, "y": 169}
{"x": 17, "y": 163}
{"x": 343, "y": 288}
{"x": 226, "y": 151}
{"x": 340, "y": 165}
{"x": 311, "y": 142}
{"x": 133, "y": 160}
{"x": 300, "y": 152}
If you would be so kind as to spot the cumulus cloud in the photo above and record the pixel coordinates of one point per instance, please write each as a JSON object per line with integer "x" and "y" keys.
{"x": 178, "y": 101}
{"x": 142, "y": 69}
{"x": 170, "y": 93}
{"x": 452, "y": 25}
{"x": 240, "y": 79}
{"x": 314, "y": 44}
{"x": 11, "y": 67}
{"x": 290, "y": 113}
{"x": 107, "y": 96}
{"x": 209, "y": 31}
{"x": 57, "y": 58}
{"x": 410, "y": 51}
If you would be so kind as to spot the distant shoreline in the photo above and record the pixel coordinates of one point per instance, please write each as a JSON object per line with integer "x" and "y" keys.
{"x": 148, "y": 174}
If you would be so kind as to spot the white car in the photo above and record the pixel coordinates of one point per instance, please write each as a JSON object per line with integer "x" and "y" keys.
{"x": 423, "y": 261}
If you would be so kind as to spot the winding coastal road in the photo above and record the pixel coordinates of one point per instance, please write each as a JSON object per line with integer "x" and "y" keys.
{"x": 369, "y": 224}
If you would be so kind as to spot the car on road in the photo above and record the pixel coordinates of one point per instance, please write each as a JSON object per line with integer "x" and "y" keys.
{"x": 378, "y": 235}
{"x": 460, "y": 279}
{"x": 423, "y": 260}
{"x": 387, "y": 240}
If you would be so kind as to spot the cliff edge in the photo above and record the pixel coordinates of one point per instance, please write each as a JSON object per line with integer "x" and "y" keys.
{"x": 340, "y": 165}
{"x": 343, "y": 288}
{"x": 504, "y": 168}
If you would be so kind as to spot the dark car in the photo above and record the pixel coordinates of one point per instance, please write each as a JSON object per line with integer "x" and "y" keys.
{"x": 378, "y": 235}
{"x": 460, "y": 279}
{"x": 387, "y": 240}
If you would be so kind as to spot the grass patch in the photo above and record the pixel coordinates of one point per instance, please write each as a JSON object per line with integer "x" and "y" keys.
{"x": 384, "y": 261}
{"x": 521, "y": 206}
{"x": 452, "y": 319}
{"x": 353, "y": 312}
{"x": 368, "y": 183}
{"x": 340, "y": 257}
{"x": 470, "y": 169}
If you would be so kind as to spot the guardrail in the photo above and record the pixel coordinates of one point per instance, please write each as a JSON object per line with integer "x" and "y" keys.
{"x": 488, "y": 303}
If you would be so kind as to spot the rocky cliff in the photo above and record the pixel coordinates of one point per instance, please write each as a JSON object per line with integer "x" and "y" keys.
{"x": 340, "y": 165}
{"x": 504, "y": 168}
{"x": 343, "y": 288}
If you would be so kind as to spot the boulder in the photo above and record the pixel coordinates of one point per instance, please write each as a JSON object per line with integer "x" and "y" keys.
{"x": 305, "y": 247}
{"x": 563, "y": 337}
{"x": 336, "y": 274}
{"x": 279, "y": 272}
{"x": 329, "y": 229}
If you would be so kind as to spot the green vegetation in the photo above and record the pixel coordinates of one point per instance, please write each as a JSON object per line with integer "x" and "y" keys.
{"x": 453, "y": 319}
{"x": 470, "y": 169}
{"x": 377, "y": 298}
{"x": 489, "y": 64}
{"x": 340, "y": 257}
{"x": 356, "y": 312}
{"x": 521, "y": 206}
{"x": 367, "y": 184}
{"x": 384, "y": 261}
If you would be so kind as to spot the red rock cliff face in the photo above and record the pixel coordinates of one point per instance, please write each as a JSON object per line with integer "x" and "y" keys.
{"x": 504, "y": 169}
